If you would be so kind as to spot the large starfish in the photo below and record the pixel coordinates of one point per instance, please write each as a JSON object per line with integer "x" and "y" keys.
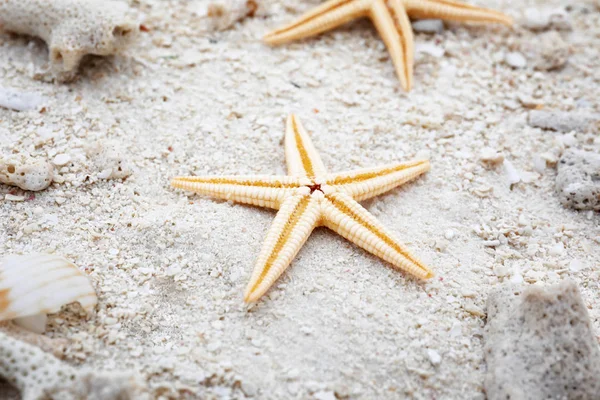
{"x": 391, "y": 18}
{"x": 309, "y": 197}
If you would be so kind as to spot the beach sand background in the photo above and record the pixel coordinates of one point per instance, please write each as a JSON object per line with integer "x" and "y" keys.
{"x": 170, "y": 268}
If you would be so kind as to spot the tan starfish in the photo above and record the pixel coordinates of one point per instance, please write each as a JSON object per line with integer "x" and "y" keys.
{"x": 391, "y": 18}
{"x": 309, "y": 197}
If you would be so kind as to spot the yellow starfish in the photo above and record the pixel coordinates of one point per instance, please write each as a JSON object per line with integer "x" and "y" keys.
{"x": 391, "y": 20}
{"x": 309, "y": 197}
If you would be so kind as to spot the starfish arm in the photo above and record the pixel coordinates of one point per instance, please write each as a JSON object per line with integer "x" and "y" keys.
{"x": 454, "y": 10}
{"x": 348, "y": 218}
{"x": 370, "y": 182}
{"x": 264, "y": 191}
{"x": 394, "y": 27}
{"x": 294, "y": 222}
{"x": 300, "y": 153}
{"x": 327, "y": 16}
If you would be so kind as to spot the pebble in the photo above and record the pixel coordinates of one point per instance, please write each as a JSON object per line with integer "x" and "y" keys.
{"x": 491, "y": 156}
{"x": 449, "y": 234}
{"x": 557, "y": 250}
{"x": 512, "y": 175}
{"x": 430, "y": 49}
{"x": 564, "y": 121}
{"x": 61, "y": 159}
{"x": 428, "y": 26}
{"x": 434, "y": 357}
{"x": 578, "y": 180}
{"x": 19, "y": 101}
{"x": 12, "y": 197}
{"x": 538, "y": 19}
{"x": 576, "y": 265}
{"x": 325, "y": 395}
{"x": 515, "y": 60}
{"x": 539, "y": 344}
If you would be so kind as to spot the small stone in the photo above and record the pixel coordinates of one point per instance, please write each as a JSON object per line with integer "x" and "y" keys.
{"x": 434, "y": 357}
{"x": 515, "y": 60}
{"x": 474, "y": 310}
{"x": 557, "y": 250}
{"x": 578, "y": 180}
{"x": 430, "y": 49}
{"x": 512, "y": 175}
{"x": 19, "y": 101}
{"x": 324, "y": 395}
{"x": 538, "y": 19}
{"x": 428, "y": 26}
{"x": 449, "y": 234}
{"x": 491, "y": 156}
{"x": 61, "y": 159}
{"x": 563, "y": 121}
{"x": 539, "y": 344}
{"x": 576, "y": 266}
{"x": 12, "y": 197}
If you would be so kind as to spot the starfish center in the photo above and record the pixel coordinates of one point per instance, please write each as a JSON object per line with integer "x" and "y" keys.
{"x": 314, "y": 187}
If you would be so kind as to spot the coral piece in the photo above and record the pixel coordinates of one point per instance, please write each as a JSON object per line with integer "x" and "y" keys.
{"x": 39, "y": 284}
{"x": 26, "y": 172}
{"x": 564, "y": 121}
{"x": 39, "y": 375}
{"x": 578, "y": 180}
{"x": 550, "y": 51}
{"x": 110, "y": 161}
{"x": 539, "y": 344}
{"x": 71, "y": 28}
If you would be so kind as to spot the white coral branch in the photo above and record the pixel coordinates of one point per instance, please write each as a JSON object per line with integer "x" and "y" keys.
{"x": 39, "y": 375}
{"x": 71, "y": 28}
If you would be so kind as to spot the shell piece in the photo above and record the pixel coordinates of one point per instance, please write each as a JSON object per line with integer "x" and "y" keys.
{"x": 41, "y": 284}
{"x": 33, "y": 323}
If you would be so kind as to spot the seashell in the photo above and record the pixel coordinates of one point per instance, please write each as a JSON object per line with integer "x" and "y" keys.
{"x": 34, "y": 285}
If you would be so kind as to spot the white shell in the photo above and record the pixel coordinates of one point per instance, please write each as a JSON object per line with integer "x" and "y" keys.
{"x": 41, "y": 284}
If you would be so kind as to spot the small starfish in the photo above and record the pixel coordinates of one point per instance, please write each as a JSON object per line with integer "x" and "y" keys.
{"x": 309, "y": 197}
{"x": 391, "y": 20}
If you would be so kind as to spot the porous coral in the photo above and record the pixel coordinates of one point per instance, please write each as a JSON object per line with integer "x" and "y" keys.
{"x": 39, "y": 375}
{"x": 578, "y": 180}
{"x": 540, "y": 344}
{"x": 71, "y": 28}
{"x": 26, "y": 172}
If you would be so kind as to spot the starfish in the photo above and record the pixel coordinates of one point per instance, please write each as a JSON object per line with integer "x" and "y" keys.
{"x": 309, "y": 197}
{"x": 391, "y": 18}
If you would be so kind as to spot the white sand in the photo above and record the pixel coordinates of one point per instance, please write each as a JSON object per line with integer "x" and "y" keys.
{"x": 172, "y": 268}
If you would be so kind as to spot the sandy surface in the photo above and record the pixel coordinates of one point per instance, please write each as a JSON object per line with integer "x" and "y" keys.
{"x": 170, "y": 268}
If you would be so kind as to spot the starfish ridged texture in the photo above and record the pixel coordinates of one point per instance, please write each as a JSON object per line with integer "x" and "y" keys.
{"x": 391, "y": 18}
{"x": 309, "y": 197}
